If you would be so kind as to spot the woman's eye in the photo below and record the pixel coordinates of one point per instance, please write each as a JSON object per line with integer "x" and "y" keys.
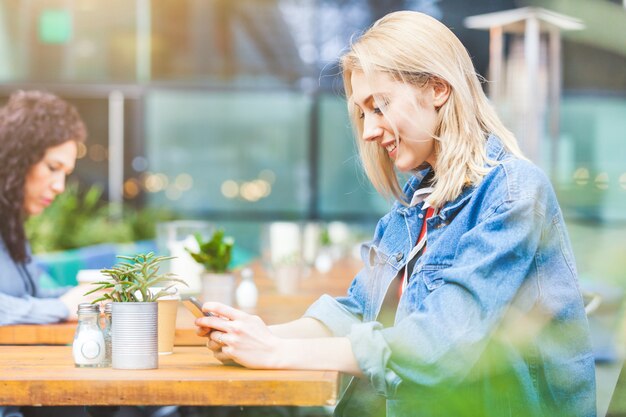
{"x": 378, "y": 109}
{"x": 381, "y": 105}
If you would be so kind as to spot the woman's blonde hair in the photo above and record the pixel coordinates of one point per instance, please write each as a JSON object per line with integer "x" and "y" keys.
{"x": 415, "y": 48}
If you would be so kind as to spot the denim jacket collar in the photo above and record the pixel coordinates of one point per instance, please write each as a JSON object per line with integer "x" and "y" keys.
{"x": 495, "y": 152}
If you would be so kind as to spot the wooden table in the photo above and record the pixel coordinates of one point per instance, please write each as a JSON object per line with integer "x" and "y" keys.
{"x": 45, "y": 375}
{"x": 272, "y": 308}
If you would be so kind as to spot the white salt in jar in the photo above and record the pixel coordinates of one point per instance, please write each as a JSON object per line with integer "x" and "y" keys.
{"x": 88, "y": 348}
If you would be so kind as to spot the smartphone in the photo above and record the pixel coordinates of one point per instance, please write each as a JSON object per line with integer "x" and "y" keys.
{"x": 195, "y": 307}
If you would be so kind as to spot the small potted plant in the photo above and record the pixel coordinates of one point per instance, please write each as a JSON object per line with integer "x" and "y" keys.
{"x": 214, "y": 254}
{"x": 133, "y": 286}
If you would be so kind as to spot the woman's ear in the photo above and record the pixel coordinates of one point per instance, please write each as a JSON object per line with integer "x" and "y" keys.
{"x": 440, "y": 90}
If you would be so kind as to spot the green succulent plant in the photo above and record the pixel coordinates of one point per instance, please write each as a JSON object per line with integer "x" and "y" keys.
{"x": 215, "y": 253}
{"x": 126, "y": 280}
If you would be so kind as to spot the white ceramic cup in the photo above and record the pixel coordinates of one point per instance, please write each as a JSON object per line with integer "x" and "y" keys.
{"x": 87, "y": 276}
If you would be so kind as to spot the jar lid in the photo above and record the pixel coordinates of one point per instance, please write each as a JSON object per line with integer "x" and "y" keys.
{"x": 108, "y": 308}
{"x": 88, "y": 308}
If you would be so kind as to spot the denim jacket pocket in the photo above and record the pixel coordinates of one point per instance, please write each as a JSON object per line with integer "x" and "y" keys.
{"x": 432, "y": 276}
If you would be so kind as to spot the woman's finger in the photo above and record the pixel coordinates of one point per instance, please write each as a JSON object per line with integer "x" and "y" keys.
{"x": 224, "y": 310}
{"x": 213, "y": 345}
{"x": 223, "y": 358}
{"x": 203, "y": 331}
{"x": 220, "y": 338}
{"x": 216, "y": 323}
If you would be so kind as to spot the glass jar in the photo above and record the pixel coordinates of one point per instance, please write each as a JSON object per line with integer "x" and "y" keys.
{"x": 88, "y": 348}
{"x": 106, "y": 331}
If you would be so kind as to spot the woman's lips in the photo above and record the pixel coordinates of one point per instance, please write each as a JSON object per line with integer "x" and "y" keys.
{"x": 392, "y": 149}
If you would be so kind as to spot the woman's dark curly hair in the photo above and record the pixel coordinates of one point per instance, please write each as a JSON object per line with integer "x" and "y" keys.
{"x": 30, "y": 123}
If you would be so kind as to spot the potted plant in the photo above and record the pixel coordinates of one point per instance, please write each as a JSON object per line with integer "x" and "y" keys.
{"x": 214, "y": 254}
{"x": 133, "y": 286}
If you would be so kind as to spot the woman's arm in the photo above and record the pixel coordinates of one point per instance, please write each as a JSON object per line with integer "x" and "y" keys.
{"x": 303, "y": 328}
{"x": 245, "y": 339}
{"x": 327, "y": 353}
{"x": 31, "y": 310}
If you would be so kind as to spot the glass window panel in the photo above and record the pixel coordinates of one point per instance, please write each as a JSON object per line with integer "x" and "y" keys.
{"x": 235, "y": 151}
{"x": 592, "y": 174}
{"x": 53, "y": 40}
{"x": 591, "y": 183}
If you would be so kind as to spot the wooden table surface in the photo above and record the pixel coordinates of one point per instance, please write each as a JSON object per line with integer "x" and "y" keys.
{"x": 46, "y": 375}
{"x": 272, "y": 308}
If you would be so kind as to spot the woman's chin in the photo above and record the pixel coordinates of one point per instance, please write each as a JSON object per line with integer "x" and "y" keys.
{"x": 34, "y": 210}
{"x": 403, "y": 167}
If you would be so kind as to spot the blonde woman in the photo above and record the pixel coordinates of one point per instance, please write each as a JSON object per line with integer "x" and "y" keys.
{"x": 490, "y": 320}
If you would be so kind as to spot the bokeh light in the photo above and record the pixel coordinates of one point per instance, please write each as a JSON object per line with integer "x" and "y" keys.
{"x": 602, "y": 181}
{"x": 581, "y": 176}
{"x": 131, "y": 188}
{"x": 81, "y": 150}
{"x": 230, "y": 189}
{"x": 153, "y": 183}
{"x": 140, "y": 163}
{"x": 183, "y": 182}
{"x": 97, "y": 153}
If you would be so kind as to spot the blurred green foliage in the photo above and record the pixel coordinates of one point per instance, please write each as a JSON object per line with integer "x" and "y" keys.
{"x": 214, "y": 254}
{"x": 76, "y": 219}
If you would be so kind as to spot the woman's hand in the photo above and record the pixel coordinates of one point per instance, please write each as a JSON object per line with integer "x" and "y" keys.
{"x": 76, "y": 295}
{"x": 215, "y": 347}
{"x": 235, "y": 336}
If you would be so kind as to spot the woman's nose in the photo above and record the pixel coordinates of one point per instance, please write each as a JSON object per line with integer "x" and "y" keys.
{"x": 58, "y": 184}
{"x": 371, "y": 129}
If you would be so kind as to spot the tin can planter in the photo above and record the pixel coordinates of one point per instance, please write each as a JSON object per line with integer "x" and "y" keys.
{"x": 135, "y": 335}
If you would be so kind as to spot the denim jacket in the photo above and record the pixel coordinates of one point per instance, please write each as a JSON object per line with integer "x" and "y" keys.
{"x": 492, "y": 321}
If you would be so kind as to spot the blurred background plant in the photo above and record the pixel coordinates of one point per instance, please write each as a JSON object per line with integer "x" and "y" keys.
{"x": 214, "y": 253}
{"x": 81, "y": 218}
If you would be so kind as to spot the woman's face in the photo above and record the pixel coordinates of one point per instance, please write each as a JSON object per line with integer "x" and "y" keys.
{"x": 46, "y": 179}
{"x": 391, "y": 110}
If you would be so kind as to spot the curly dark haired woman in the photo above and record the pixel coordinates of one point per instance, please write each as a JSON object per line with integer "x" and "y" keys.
{"x": 39, "y": 134}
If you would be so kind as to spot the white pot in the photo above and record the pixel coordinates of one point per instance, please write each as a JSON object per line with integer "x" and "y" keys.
{"x": 218, "y": 287}
{"x": 134, "y": 335}
{"x": 287, "y": 279}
